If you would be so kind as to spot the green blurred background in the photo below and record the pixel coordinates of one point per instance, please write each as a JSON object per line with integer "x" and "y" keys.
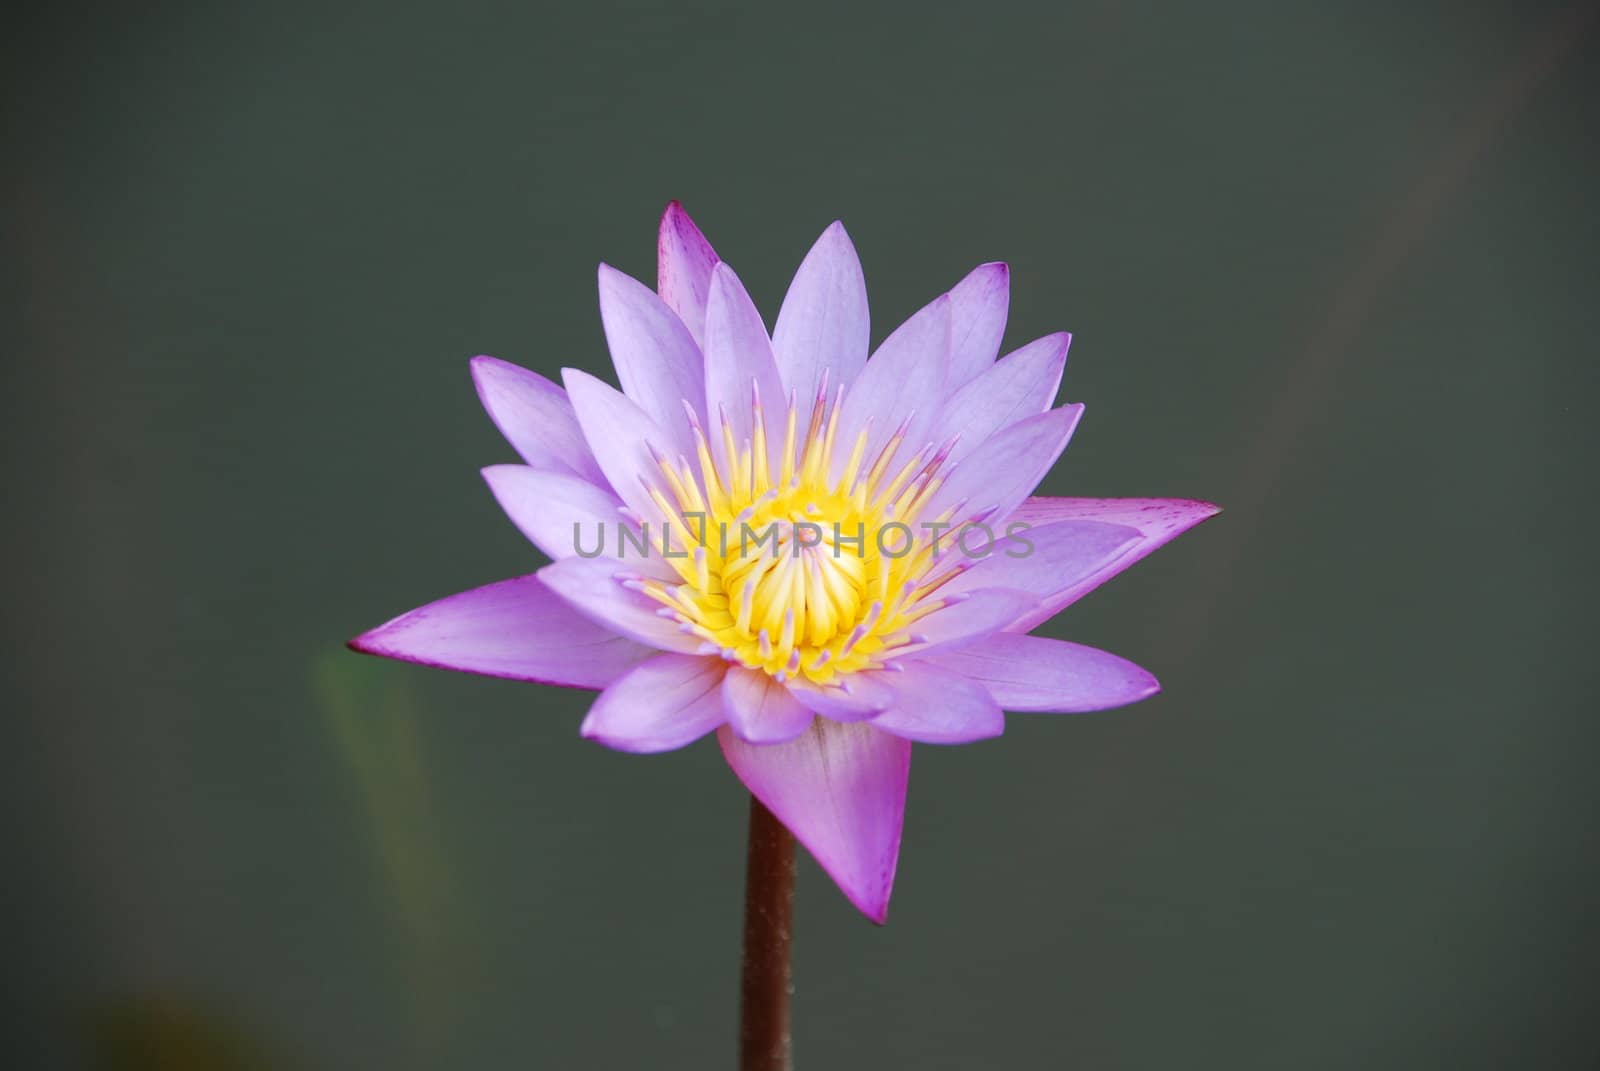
{"x": 1330, "y": 265}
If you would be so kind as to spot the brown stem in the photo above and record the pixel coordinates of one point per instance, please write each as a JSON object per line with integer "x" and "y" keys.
{"x": 764, "y": 1043}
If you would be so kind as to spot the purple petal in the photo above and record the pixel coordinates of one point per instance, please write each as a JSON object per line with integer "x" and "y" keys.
{"x": 902, "y": 384}
{"x": 936, "y": 707}
{"x": 739, "y": 361}
{"x": 657, "y": 360}
{"x": 563, "y": 515}
{"x": 1021, "y": 385}
{"x": 857, "y": 697}
{"x": 759, "y": 709}
{"x": 978, "y": 318}
{"x": 1035, "y": 673}
{"x": 684, "y": 260}
{"x": 620, "y": 435}
{"x": 601, "y": 590}
{"x": 841, "y": 789}
{"x": 535, "y": 416}
{"x": 1159, "y": 521}
{"x": 515, "y": 628}
{"x": 823, "y": 323}
{"x": 660, "y": 705}
{"x": 998, "y": 475}
{"x": 968, "y": 617}
{"x": 1049, "y": 559}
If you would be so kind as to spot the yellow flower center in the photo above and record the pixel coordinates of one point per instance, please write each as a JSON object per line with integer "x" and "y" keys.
{"x": 788, "y": 570}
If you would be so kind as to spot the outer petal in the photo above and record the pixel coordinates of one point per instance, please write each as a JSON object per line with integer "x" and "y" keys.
{"x": 902, "y": 387}
{"x": 1159, "y": 521}
{"x": 515, "y": 628}
{"x": 657, "y": 361}
{"x": 823, "y": 323}
{"x": 1049, "y": 559}
{"x": 978, "y": 317}
{"x": 841, "y": 789}
{"x": 684, "y": 260}
{"x": 604, "y": 591}
{"x": 1021, "y": 385}
{"x": 660, "y": 705}
{"x": 621, "y": 436}
{"x": 739, "y": 360}
{"x": 759, "y": 709}
{"x": 563, "y": 516}
{"x": 536, "y": 418}
{"x": 1035, "y": 673}
{"x": 998, "y": 475}
{"x": 937, "y": 707}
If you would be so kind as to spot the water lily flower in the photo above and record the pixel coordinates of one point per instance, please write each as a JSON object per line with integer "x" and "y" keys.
{"x": 819, "y": 555}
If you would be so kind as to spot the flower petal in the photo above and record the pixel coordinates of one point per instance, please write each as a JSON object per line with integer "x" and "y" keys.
{"x": 937, "y": 707}
{"x": 621, "y": 436}
{"x": 901, "y": 389}
{"x": 1036, "y": 673}
{"x": 1051, "y": 558}
{"x": 967, "y": 616}
{"x": 738, "y": 360}
{"x": 759, "y": 709}
{"x": 855, "y": 697}
{"x": 1020, "y": 385}
{"x": 536, "y": 418}
{"x": 823, "y": 323}
{"x": 684, "y": 260}
{"x": 1158, "y": 520}
{"x": 657, "y": 361}
{"x": 841, "y": 789}
{"x": 563, "y": 515}
{"x": 659, "y": 705}
{"x": 608, "y": 593}
{"x": 998, "y": 475}
{"x": 978, "y": 318}
{"x": 515, "y": 628}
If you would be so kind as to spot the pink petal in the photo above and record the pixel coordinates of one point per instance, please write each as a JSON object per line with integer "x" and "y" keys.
{"x": 1035, "y": 673}
{"x": 1021, "y": 385}
{"x": 978, "y": 317}
{"x": 606, "y": 592}
{"x": 998, "y": 475}
{"x": 1049, "y": 559}
{"x": 968, "y": 616}
{"x": 657, "y": 360}
{"x": 841, "y": 789}
{"x": 823, "y": 323}
{"x": 856, "y": 697}
{"x": 621, "y": 436}
{"x": 1159, "y": 521}
{"x": 684, "y": 260}
{"x": 739, "y": 363}
{"x": 515, "y": 628}
{"x": 563, "y": 515}
{"x": 659, "y": 705}
{"x": 903, "y": 384}
{"x": 535, "y": 416}
{"x": 937, "y": 707}
{"x": 759, "y": 709}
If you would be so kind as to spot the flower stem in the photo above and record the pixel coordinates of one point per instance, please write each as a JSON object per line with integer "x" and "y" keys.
{"x": 764, "y": 1043}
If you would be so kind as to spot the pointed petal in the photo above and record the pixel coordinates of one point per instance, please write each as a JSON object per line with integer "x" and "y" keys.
{"x": 903, "y": 382}
{"x": 659, "y": 705}
{"x": 1158, "y": 520}
{"x": 1049, "y": 559}
{"x": 684, "y": 260}
{"x": 841, "y": 789}
{"x": 759, "y": 709}
{"x": 515, "y": 628}
{"x": 606, "y": 592}
{"x": 978, "y": 316}
{"x": 968, "y": 616}
{"x": 536, "y": 418}
{"x": 620, "y": 435}
{"x": 657, "y": 361}
{"x": 1036, "y": 673}
{"x": 739, "y": 363}
{"x": 937, "y": 707}
{"x": 823, "y": 323}
{"x": 998, "y": 475}
{"x": 563, "y": 515}
{"x": 1020, "y": 385}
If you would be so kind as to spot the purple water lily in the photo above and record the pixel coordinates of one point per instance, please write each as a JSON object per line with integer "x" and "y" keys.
{"x": 819, "y": 556}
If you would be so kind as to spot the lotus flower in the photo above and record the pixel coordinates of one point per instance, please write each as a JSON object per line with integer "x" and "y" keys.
{"x": 896, "y": 565}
